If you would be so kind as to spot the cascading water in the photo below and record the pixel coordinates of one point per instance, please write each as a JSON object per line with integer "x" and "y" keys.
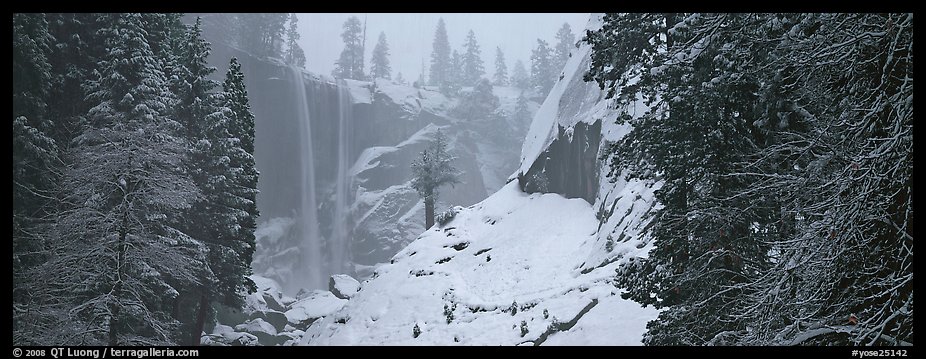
{"x": 307, "y": 218}
{"x": 340, "y": 237}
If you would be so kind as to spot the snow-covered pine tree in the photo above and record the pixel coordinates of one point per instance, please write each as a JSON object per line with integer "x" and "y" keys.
{"x": 236, "y": 267}
{"x": 565, "y": 42}
{"x": 432, "y": 170}
{"x": 772, "y": 199}
{"x": 519, "y": 76}
{"x": 471, "y": 61}
{"x": 35, "y": 152}
{"x": 350, "y": 62}
{"x": 223, "y": 168}
{"x": 441, "y": 67}
{"x": 501, "y": 69}
{"x": 114, "y": 253}
{"x": 708, "y": 243}
{"x": 293, "y": 55}
{"x": 839, "y": 158}
{"x": 379, "y": 61}
{"x": 542, "y": 75}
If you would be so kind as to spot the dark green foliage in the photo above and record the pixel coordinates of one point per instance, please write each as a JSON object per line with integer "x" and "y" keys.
{"x": 759, "y": 139}
{"x": 524, "y": 329}
{"x": 107, "y": 249}
{"x": 416, "y": 331}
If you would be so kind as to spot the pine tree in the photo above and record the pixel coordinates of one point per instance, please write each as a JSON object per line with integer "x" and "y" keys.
{"x": 261, "y": 34}
{"x": 478, "y": 105}
{"x": 379, "y": 62}
{"x": 441, "y": 67}
{"x": 350, "y": 63}
{"x": 115, "y": 251}
{"x": 565, "y": 42}
{"x": 294, "y": 55}
{"x": 519, "y": 76}
{"x": 432, "y": 170}
{"x": 501, "y": 69}
{"x": 35, "y": 152}
{"x": 542, "y": 72}
{"x": 131, "y": 96}
{"x": 471, "y": 61}
{"x": 757, "y": 157}
{"x": 399, "y": 79}
{"x": 521, "y": 117}
{"x": 231, "y": 261}
{"x": 454, "y": 81}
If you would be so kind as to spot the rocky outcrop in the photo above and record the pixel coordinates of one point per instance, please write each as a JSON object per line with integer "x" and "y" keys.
{"x": 271, "y": 318}
{"x": 569, "y": 165}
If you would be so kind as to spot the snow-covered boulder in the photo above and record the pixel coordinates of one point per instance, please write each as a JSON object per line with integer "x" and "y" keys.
{"x": 315, "y": 305}
{"x": 223, "y": 335}
{"x": 343, "y": 286}
{"x": 256, "y": 325}
{"x": 276, "y": 319}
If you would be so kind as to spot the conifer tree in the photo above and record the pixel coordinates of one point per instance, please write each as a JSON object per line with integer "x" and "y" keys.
{"x": 379, "y": 63}
{"x": 501, "y": 69}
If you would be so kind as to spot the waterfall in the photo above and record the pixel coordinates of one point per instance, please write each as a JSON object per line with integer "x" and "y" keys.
{"x": 340, "y": 238}
{"x": 307, "y": 218}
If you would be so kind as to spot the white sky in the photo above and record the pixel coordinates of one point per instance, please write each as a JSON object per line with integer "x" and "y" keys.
{"x": 410, "y": 37}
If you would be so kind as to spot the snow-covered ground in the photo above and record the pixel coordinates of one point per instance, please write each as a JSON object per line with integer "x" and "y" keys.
{"x": 505, "y": 271}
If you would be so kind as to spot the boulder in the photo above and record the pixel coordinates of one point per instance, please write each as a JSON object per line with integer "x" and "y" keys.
{"x": 272, "y": 302}
{"x": 343, "y": 286}
{"x": 276, "y": 319}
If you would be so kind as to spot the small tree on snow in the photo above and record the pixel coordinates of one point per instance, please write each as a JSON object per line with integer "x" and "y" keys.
{"x": 432, "y": 170}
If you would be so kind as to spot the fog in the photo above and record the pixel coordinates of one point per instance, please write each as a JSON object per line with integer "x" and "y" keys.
{"x": 410, "y": 36}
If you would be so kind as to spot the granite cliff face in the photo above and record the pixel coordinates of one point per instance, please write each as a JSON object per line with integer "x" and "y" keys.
{"x": 363, "y": 135}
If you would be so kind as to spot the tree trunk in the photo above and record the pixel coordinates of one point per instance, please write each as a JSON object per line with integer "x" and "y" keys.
{"x": 428, "y": 212}
{"x": 117, "y": 288}
{"x": 197, "y": 331}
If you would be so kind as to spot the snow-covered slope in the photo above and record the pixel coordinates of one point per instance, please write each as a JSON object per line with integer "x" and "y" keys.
{"x": 532, "y": 264}
{"x": 505, "y": 271}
